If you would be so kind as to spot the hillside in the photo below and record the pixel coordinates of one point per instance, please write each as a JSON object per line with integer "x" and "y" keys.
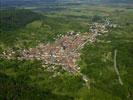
{"x": 67, "y": 54}
{"x": 12, "y": 19}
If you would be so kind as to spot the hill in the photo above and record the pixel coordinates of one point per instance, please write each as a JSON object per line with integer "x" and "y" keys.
{"x": 25, "y": 79}
{"x": 12, "y": 19}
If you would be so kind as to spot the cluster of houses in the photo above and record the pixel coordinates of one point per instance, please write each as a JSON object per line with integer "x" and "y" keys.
{"x": 61, "y": 52}
{"x": 100, "y": 28}
{"x": 65, "y": 50}
{"x": 8, "y": 54}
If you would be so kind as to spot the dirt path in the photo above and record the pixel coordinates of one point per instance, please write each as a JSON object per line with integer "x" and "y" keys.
{"x": 116, "y": 69}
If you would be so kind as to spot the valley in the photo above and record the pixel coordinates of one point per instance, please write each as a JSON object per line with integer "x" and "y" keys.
{"x": 66, "y": 52}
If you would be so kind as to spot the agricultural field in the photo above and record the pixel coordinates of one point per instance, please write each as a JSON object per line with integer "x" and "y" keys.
{"x": 28, "y": 26}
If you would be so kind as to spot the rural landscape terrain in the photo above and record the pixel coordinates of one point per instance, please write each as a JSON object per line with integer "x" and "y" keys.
{"x": 66, "y": 49}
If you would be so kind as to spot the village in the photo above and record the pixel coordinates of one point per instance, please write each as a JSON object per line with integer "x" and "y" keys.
{"x": 65, "y": 51}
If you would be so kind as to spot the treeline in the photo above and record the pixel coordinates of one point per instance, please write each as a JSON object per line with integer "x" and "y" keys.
{"x": 11, "y": 19}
